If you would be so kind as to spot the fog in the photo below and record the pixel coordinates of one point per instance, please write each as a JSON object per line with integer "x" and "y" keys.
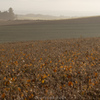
{"x": 53, "y": 7}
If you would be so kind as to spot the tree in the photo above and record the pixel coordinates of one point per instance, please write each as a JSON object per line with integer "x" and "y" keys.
{"x": 11, "y": 14}
{"x": 7, "y": 15}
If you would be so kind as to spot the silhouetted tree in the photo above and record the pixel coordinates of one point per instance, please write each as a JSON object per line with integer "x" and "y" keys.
{"x": 8, "y": 15}
{"x": 11, "y": 14}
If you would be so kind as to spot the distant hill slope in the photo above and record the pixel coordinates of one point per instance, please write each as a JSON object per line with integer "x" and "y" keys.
{"x": 81, "y": 20}
{"x": 90, "y": 19}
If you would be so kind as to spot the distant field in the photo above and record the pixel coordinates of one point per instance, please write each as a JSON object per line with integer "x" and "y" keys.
{"x": 16, "y": 22}
{"x": 44, "y": 30}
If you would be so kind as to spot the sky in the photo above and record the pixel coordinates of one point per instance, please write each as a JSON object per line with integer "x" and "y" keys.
{"x": 53, "y": 7}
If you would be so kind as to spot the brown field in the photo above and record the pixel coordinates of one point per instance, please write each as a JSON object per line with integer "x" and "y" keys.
{"x": 65, "y": 69}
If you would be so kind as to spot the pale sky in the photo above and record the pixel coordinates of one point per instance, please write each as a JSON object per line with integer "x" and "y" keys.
{"x": 53, "y": 7}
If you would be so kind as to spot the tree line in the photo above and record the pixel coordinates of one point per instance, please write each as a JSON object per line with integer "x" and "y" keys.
{"x": 7, "y": 15}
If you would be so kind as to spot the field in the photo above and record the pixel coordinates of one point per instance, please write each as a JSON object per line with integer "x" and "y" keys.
{"x": 47, "y": 30}
{"x": 66, "y": 69}
{"x": 45, "y": 60}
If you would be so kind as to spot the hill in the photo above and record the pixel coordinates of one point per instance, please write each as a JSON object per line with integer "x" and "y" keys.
{"x": 27, "y": 19}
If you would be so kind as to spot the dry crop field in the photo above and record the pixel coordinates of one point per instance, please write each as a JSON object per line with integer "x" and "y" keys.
{"x": 64, "y": 69}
